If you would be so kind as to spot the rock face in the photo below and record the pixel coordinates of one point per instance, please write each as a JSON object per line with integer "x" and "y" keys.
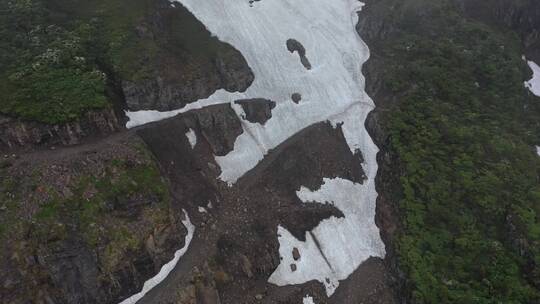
{"x": 219, "y": 125}
{"x": 168, "y": 92}
{"x": 19, "y": 134}
{"x": 181, "y": 75}
{"x": 257, "y": 110}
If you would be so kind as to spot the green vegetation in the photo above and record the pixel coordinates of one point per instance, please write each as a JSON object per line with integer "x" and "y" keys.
{"x": 113, "y": 210}
{"x": 45, "y": 74}
{"x": 60, "y": 56}
{"x": 96, "y": 198}
{"x": 463, "y": 131}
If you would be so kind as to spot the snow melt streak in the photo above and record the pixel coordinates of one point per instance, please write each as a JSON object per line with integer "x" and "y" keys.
{"x": 192, "y": 138}
{"x": 167, "y": 268}
{"x": 332, "y": 90}
{"x": 534, "y": 83}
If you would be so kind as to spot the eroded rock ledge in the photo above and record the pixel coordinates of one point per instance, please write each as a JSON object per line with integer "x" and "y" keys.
{"x": 17, "y": 134}
{"x": 257, "y": 110}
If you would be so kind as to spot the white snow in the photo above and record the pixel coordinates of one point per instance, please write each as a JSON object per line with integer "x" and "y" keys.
{"x": 138, "y": 118}
{"x": 192, "y": 137}
{"x": 202, "y": 210}
{"x": 538, "y": 150}
{"x": 345, "y": 242}
{"x": 308, "y": 300}
{"x": 333, "y": 90}
{"x": 167, "y": 268}
{"x": 329, "y": 89}
{"x": 534, "y": 83}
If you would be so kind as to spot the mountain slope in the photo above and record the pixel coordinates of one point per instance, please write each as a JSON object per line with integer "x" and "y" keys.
{"x": 458, "y": 131}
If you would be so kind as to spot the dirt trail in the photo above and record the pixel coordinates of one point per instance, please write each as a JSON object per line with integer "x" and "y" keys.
{"x": 66, "y": 152}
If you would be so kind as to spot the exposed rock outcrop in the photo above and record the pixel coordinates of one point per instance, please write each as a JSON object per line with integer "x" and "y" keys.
{"x": 296, "y": 97}
{"x": 257, "y": 110}
{"x": 295, "y": 46}
{"x": 182, "y": 74}
{"x": 20, "y": 134}
{"x": 521, "y": 16}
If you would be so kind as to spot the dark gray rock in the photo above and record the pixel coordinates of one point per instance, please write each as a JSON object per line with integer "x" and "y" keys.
{"x": 216, "y": 128}
{"x": 296, "y": 254}
{"x": 296, "y": 98}
{"x": 73, "y": 269}
{"x": 219, "y": 125}
{"x": 257, "y": 110}
{"x": 293, "y": 267}
{"x": 295, "y": 46}
{"x": 182, "y": 73}
{"x": 165, "y": 92}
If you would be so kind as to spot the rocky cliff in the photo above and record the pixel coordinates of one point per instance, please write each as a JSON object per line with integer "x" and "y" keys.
{"x": 17, "y": 134}
{"x": 189, "y": 65}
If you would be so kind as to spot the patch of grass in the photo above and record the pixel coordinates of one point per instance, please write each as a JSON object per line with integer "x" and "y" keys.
{"x": 121, "y": 242}
{"x": 45, "y": 73}
{"x": 98, "y": 209}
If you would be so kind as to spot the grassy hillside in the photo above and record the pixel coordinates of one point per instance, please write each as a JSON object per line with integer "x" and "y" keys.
{"x": 45, "y": 72}
{"x": 59, "y": 56}
{"x": 463, "y": 130}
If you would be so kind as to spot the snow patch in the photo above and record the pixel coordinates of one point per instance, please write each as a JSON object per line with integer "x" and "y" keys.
{"x": 538, "y": 150}
{"x": 308, "y": 300}
{"x": 192, "y": 137}
{"x": 337, "y": 246}
{"x": 202, "y": 210}
{"x": 534, "y": 83}
{"x": 167, "y": 268}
